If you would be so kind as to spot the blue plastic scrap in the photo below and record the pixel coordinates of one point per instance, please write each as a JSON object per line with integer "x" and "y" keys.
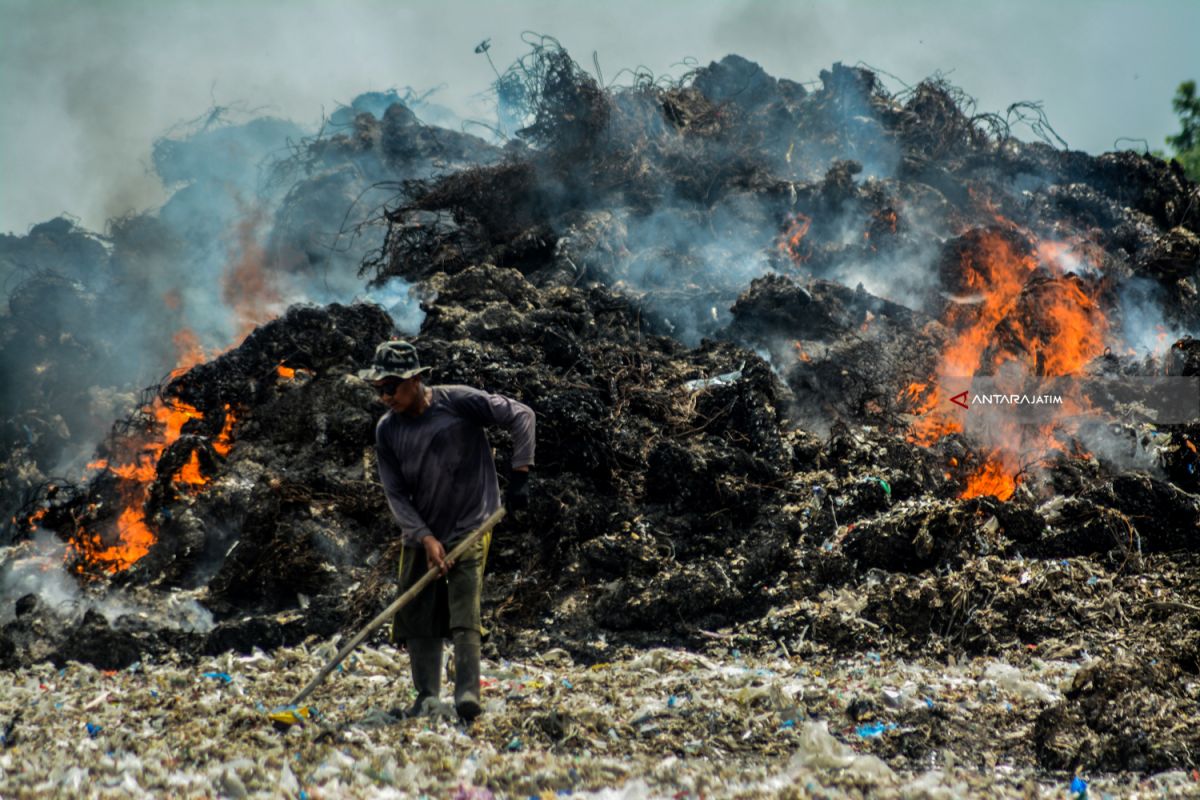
{"x": 220, "y": 676}
{"x": 1079, "y": 786}
{"x": 873, "y": 729}
{"x": 93, "y": 729}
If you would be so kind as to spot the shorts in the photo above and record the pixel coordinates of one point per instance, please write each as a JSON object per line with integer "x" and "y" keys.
{"x": 447, "y": 603}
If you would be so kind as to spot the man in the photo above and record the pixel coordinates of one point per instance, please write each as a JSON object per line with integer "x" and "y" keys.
{"x": 436, "y": 467}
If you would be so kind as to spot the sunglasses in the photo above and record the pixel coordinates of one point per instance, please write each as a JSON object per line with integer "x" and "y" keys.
{"x": 387, "y": 387}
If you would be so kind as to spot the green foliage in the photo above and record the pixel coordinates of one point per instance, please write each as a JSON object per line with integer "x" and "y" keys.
{"x": 1190, "y": 161}
{"x": 1187, "y": 142}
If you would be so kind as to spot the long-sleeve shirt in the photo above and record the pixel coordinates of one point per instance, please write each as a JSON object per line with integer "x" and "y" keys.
{"x": 437, "y": 469}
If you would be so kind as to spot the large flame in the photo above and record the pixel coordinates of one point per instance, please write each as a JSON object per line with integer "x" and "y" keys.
{"x": 1012, "y": 307}
{"x": 131, "y": 538}
{"x": 250, "y": 291}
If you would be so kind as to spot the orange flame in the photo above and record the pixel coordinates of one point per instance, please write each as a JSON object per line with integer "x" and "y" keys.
{"x": 134, "y": 542}
{"x": 190, "y": 472}
{"x": 931, "y": 422}
{"x": 789, "y": 242}
{"x": 992, "y": 478}
{"x": 133, "y": 536}
{"x": 248, "y": 288}
{"x": 883, "y": 221}
{"x": 1011, "y": 307}
{"x": 287, "y": 373}
{"x": 224, "y": 441}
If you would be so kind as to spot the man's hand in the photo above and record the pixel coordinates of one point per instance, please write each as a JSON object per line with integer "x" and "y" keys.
{"x": 435, "y": 555}
{"x": 516, "y": 497}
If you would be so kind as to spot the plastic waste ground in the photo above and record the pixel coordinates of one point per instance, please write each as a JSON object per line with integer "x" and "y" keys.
{"x": 658, "y": 723}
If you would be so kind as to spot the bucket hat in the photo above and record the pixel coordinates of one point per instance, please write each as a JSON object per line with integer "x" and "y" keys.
{"x": 393, "y": 359}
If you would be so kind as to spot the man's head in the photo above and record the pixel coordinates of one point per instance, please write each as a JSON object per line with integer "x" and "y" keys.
{"x": 396, "y": 374}
{"x": 402, "y": 395}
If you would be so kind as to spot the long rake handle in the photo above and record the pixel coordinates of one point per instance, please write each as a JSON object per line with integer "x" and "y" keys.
{"x": 399, "y": 603}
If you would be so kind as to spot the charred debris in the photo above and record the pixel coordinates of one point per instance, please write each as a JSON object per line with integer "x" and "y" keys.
{"x": 721, "y": 295}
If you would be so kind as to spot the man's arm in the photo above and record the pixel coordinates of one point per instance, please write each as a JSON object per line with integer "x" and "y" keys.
{"x": 496, "y": 409}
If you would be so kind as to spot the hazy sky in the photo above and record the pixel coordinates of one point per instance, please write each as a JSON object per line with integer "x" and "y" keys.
{"x": 88, "y": 86}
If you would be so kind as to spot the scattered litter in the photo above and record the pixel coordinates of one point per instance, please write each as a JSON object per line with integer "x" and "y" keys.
{"x": 874, "y": 729}
{"x": 720, "y": 380}
{"x": 819, "y": 750}
{"x": 292, "y": 715}
{"x": 1011, "y": 679}
{"x": 584, "y": 729}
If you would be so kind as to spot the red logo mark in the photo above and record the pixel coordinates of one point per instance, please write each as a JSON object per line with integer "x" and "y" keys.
{"x": 960, "y": 399}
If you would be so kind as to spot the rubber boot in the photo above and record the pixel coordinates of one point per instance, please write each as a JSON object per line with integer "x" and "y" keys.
{"x": 425, "y": 657}
{"x": 466, "y": 674}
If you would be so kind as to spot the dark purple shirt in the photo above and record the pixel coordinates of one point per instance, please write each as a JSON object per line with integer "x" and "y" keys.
{"x": 437, "y": 469}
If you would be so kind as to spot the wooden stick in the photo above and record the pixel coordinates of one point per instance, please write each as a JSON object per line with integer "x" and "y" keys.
{"x": 400, "y": 602}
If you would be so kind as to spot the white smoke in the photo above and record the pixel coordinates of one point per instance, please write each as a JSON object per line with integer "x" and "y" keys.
{"x": 1144, "y": 327}
{"x": 37, "y": 566}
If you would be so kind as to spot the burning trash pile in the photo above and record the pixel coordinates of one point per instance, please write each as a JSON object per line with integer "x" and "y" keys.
{"x": 818, "y": 373}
